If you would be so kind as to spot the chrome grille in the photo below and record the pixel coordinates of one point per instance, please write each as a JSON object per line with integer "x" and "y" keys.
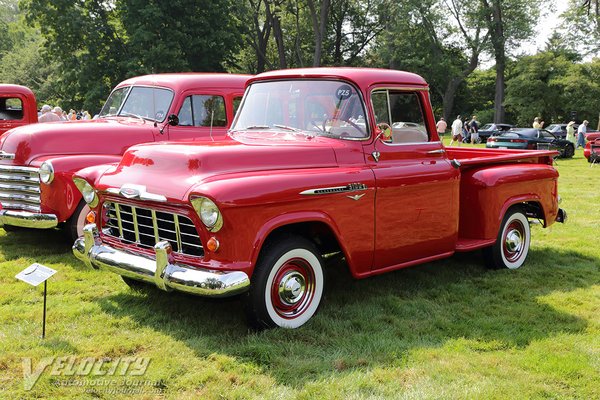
{"x": 145, "y": 227}
{"x": 20, "y": 188}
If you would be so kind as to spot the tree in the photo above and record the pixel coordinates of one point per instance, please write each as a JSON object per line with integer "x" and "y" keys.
{"x": 509, "y": 23}
{"x": 581, "y": 26}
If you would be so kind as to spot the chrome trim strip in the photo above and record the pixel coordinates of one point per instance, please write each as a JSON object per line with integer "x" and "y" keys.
{"x": 351, "y": 187}
{"x": 27, "y": 219}
{"x": 19, "y": 169}
{"x": 155, "y": 225}
{"x": 6, "y": 156}
{"x": 161, "y": 271}
{"x": 136, "y": 229}
{"x": 140, "y": 193}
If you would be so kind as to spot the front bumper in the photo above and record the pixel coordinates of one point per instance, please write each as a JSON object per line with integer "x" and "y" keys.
{"x": 26, "y": 219}
{"x": 162, "y": 271}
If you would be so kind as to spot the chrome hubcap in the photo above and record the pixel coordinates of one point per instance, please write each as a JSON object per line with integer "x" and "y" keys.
{"x": 514, "y": 241}
{"x": 292, "y": 287}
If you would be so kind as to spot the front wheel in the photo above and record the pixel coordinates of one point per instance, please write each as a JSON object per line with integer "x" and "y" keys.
{"x": 75, "y": 224}
{"x": 512, "y": 244}
{"x": 287, "y": 285}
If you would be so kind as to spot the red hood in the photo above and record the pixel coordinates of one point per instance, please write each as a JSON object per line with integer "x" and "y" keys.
{"x": 173, "y": 169}
{"x": 102, "y": 136}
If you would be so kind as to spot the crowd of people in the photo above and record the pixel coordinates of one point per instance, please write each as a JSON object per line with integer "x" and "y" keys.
{"x": 460, "y": 129}
{"x": 463, "y": 129}
{"x": 49, "y": 114}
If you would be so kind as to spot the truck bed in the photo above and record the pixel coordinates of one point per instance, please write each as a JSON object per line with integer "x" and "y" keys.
{"x": 474, "y": 157}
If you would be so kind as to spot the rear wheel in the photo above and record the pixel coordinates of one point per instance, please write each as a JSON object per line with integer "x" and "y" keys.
{"x": 287, "y": 285}
{"x": 569, "y": 151}
{"x": 512, "y": 244}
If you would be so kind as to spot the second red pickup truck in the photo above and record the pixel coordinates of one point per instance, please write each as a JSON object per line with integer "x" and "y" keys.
{"x": 317, "y": 161}
{"x": 37, "y": 161}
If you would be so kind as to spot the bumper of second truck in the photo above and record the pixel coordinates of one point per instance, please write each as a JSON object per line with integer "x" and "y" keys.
{"x": 161, "y": 270}
{"x": 26, "y": 219}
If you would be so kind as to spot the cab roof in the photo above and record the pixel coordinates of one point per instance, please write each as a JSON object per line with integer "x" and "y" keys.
{"x": 363, "y": 77}
{"x": 189, "y": 80}
{"x": 9, "y": 89}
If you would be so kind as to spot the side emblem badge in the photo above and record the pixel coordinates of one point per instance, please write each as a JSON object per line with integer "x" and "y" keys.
{"x": 356, "y": 196}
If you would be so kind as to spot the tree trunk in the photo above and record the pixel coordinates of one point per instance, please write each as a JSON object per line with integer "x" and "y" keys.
{"x": 275, "y": 22}
{"x": 319, "y": 22}
{"x": 493, "y": 17}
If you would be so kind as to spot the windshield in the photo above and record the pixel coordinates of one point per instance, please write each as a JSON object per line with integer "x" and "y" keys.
{"x": 144, "y": 102}
{"x": 313, "y": 107}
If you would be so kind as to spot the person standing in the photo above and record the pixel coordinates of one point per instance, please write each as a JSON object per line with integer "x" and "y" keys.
{"x": 571, "y": 132}
{"x": 474, "y": 129}
{"x": 457, "y": 127}
{"x": 441, "y": 127}
{"x": 48, "y": 115}
{"x": 537, "y": 124}
{"x": 581, "y": 131}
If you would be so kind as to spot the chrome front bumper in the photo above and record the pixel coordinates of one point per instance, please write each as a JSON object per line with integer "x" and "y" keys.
{"x": 26, "y": 219}
{"x": 161, "y": 271}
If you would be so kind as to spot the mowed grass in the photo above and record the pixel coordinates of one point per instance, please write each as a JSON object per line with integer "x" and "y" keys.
{"x": 448, "y": 329}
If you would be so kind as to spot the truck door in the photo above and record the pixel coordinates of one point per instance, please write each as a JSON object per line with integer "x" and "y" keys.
{"x": 204, "y": 116}
{"x": 416, "y": 206}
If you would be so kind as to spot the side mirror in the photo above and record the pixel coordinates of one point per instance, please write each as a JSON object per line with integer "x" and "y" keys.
{"x": 173, "y": 120}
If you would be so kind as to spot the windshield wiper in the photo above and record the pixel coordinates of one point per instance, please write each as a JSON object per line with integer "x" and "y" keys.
{"x": 248, "y": 128}
{"x": 127, "y": 114}
{"x": 289, "y": 128}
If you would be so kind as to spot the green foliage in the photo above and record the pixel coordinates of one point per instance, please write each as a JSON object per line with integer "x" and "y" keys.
{"x": 550, "y": 85}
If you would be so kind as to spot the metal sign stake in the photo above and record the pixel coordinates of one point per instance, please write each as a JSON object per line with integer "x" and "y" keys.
{"x": 44, "y": 318}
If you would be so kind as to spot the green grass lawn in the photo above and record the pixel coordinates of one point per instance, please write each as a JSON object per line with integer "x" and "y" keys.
{"x": 448, "y": 329}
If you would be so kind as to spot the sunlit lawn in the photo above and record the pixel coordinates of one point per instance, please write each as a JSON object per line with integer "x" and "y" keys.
{"x": 448, "y": 329}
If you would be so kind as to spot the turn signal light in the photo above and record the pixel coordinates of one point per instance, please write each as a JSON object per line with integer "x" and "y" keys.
{"x": 212, "y": 244}
{"x": 90, "y": 218}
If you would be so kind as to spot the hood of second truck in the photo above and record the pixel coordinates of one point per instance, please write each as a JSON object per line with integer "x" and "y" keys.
{"x": 102, "y": 136}
{"x": 173, "y": 169}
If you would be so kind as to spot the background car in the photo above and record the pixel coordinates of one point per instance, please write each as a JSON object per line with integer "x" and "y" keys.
{"x": 559, "y": 130}
{"x": 532, "y": 139}
{"x": 492, "y": 130}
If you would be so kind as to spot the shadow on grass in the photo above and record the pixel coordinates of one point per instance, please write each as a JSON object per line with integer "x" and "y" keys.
{"x": 34, "y": 243}
{"x": 375, "y": 322}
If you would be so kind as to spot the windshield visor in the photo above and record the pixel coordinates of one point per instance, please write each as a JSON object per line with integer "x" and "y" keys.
{"x": 145, "y": 102}
{"x": 314, "y": 107}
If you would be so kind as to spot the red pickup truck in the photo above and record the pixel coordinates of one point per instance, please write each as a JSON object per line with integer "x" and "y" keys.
{"x": 37, "y": 161}
{"x": 317, "y": 161}
{"x": 18, "y": 107}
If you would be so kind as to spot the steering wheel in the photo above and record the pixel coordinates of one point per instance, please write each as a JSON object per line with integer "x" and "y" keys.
{"x": 386, "y": 131}
{"x": 352, "y": 124}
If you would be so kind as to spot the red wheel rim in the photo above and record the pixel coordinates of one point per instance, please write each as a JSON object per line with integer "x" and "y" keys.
{"x": 293, "y": 288}
{"x": 514, "y": 241}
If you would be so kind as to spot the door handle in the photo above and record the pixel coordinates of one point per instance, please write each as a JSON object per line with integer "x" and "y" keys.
{"x": 435, "y": 152}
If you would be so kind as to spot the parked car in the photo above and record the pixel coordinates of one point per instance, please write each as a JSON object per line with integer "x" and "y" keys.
{"x": 318, "y": 161}
{"x": 531, "y": 138}
{"x": 592, "y": 138}
{"x": 37, "y": 161}
{"x": 559, "y": 130}
{"x": 18, "y": 107}
{"x": 488, "y": 130}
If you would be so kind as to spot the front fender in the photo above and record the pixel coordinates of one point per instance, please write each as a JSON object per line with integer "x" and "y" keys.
{"x": 61, "y": 197}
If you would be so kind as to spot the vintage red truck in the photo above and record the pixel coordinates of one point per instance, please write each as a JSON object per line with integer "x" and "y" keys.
{"x": 592, "y": 139}
{"x": 37, "y": 161}
{"x": 18, "y": 107}
{"x": 317, "y": 161}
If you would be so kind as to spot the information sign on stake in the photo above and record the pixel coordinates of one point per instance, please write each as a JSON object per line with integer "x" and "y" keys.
{"x": 34, "y": 275}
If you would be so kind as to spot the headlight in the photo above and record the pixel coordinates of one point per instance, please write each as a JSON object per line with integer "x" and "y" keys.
{"x": 209, "y": 213}
{"x": 88, "y": 192}
{"x": 46, "y": 172}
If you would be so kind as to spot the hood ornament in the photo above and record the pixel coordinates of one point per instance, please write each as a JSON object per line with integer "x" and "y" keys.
{"x": 132, "y": 191}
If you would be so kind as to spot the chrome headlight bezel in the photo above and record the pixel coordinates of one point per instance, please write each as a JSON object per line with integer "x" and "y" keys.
{"x": 87, "y": 191}
{"x": 46, "y": 172}
{"x": 209, "y": 213}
